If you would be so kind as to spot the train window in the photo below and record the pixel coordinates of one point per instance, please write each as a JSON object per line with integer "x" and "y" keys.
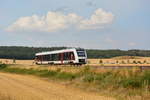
{"x": 46, "y": 58}
{"x": 66, "y": 56}
{"x": 57, "y": 57}
{"x": 60, "y": 55}
{"x": 54, "y": 57}
{"x": 39, "y": 58}
{"x": 69, "y": 56}
{"x": 81, "y": 53}
{"x": 50, "y": 57}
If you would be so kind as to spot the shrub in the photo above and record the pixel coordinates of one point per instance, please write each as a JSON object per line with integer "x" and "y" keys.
{"x": 58, "y": 70}
{"x": 146, "y": 77}
{"x": 65, "y": 76}
{"x": 128, "y": 61}
{"x": 88, "y": 78}
{"x": 101, "y": 61}
{"x": 117, "y": 62}
{"x": 123, "y": 62}
{"x": 88, "y": 62}
{"x": 85, "y": 70}
{"x": 46, "y": 73}
{"x": 139, "y": 62}
{"x": 144, "y": 62}
{"x": 2, "y": 66}
{"x": 134, "y": 62}
{"x": 132, "y": 83}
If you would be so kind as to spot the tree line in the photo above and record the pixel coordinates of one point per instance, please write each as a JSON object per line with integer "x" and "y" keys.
{"x": 20, "y": 52}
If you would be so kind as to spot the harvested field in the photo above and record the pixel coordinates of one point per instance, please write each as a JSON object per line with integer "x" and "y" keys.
{"x": 116, "y": 61}
{"x": 121, "y": 61}
{"x": 23, "y": 62}
{"x": 97, "y": 64}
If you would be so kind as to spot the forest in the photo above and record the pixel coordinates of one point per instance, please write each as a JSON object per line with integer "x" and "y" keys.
{"x": 21, "y": 52}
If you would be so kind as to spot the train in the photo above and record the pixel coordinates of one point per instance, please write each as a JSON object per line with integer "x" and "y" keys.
{"x": 73, "y": 56}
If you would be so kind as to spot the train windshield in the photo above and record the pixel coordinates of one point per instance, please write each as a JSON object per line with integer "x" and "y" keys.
{"x": 81, "y": 53}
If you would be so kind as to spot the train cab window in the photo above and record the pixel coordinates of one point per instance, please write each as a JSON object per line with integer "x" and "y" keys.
{"x": 81, "y": 54}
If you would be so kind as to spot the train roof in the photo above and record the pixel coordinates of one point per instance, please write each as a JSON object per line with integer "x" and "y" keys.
{"x": 57, "y": 51}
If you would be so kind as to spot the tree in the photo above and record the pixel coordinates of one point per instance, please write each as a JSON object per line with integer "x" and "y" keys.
{"x": 117, "y": 61}
{"x": 134, "y": 62}
{"x": 123, "y": 62}
{"x": 144, "y": 61}
{"x": 101, "y": 61}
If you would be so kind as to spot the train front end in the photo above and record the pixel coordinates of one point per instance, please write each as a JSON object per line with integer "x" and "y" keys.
{"x": 81, "y": 56}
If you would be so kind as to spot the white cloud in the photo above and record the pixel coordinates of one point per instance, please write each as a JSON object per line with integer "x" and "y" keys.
{"x": 132, "y": 44}
{"x": 55, "y": 21}
{"x": 109, "y": 40}
{"x": 99, "y": 19}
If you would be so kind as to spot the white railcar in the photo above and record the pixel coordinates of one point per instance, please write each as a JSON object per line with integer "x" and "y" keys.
{"x": 66, "y": 56}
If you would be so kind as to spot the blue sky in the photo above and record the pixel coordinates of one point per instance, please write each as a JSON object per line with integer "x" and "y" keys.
{"x": 96, "y": 24}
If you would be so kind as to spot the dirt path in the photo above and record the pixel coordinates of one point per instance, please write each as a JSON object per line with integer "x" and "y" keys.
{"x": 21, "y": 87}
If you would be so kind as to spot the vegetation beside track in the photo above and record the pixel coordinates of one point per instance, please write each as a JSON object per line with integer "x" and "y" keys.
{"x": 123, "y": 84}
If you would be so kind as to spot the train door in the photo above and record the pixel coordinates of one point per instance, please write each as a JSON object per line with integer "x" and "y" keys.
{"x": 62, "y": 57}
{"x": 72, "y": 57}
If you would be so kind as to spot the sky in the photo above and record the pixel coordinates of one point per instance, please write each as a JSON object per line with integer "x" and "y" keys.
{"x": 91, "y": 24}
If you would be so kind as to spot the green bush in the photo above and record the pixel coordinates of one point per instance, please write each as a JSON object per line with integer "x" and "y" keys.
{"x": 134, "y": 62}
{"x": 3, "y": 66}
{"x": 45, "y": 73}
{"x": 132, "y": 83}
{"x": 66, "y": 76}
{"x": 88, "y": 78}
{"x": 146, "y": 77}
{"x": 101, "y": 61}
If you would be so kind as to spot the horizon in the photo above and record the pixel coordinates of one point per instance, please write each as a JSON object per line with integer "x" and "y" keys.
{"x": 76, "y": 47}
{"x": 90, "y": 24}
